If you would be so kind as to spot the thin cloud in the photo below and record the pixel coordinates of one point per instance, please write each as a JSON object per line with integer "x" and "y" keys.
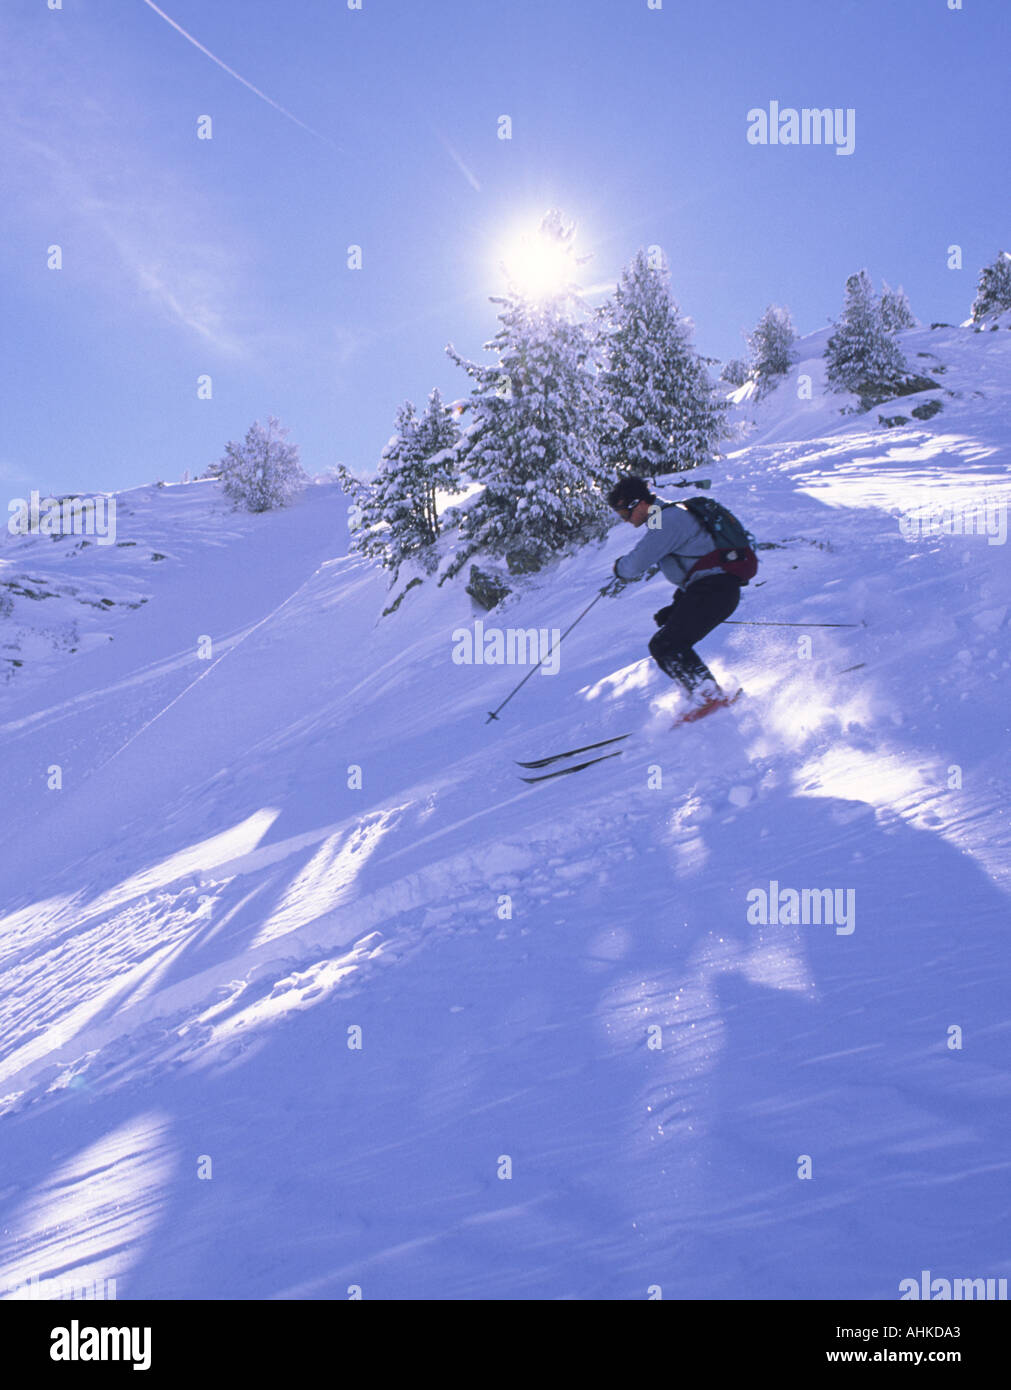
{"x": 168, "y": 245}
{"x": 238, "y": 77}
{"x": 75, "y": 174}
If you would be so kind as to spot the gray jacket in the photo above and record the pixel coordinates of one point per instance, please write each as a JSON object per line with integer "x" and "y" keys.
{"x": 675, "y": 545}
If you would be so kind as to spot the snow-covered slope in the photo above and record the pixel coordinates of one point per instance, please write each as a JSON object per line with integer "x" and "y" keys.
{"x": 584, "y": 1069}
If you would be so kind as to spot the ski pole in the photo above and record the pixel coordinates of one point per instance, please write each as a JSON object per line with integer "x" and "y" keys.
{"x": 493, "y": 714}
{"x": 743, "y": 622}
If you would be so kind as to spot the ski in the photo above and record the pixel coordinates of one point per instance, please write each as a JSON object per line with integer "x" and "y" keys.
{"x": 571, "y": 753}
{"x": 692, "y": 715}
{"x": 576, "y": 767}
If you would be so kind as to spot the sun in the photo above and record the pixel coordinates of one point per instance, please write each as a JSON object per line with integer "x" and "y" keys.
{"x": 538, "y": 264}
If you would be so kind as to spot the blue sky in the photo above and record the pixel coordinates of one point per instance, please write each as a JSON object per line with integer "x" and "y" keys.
{"x": 227, "y": 257}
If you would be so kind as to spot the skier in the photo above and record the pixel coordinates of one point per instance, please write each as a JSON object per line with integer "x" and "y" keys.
{"x": 706, "y": 596}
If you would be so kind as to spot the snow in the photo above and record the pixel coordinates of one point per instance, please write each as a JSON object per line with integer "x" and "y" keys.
{"x": 197, "y": 924}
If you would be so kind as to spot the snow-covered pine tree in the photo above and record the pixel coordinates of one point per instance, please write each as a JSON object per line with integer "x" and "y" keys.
{"x": 438, "y": 439}
{"x": 895, "y": 310}
{"x": 662, "y": 413}
{"x": 264, "y": 471}
{"x": 396, "y": 511}
{"x": 370, "y": 531}
{"x": 735, "y": 372}
{"x": 993, "y": 292}
{"x": 861, "y": 355}
{"x": 771, "y": 348}
{"x": 532, "y": 437}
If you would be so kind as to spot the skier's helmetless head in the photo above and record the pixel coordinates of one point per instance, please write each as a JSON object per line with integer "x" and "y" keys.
{"x": 630, "y": 498}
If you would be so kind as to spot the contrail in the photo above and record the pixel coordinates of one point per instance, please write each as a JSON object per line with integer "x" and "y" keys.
{"x": 232, "y": 73}
{"x": 457, "y": 160}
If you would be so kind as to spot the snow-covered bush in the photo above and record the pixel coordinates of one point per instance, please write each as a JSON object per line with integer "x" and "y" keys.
{"x": 735, "y": 372}
{"x": 993, "y": 292}
{"x": 895, "y": 311}
{"x": 263, "y": 472}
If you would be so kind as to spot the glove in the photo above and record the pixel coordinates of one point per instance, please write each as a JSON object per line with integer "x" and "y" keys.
{"x": 664, "y": 615}
{"x": 613, "y": 587}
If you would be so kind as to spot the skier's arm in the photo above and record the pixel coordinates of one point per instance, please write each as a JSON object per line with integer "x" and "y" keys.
{"x": 675, "y": 529}
{"x": 655, "y": 544}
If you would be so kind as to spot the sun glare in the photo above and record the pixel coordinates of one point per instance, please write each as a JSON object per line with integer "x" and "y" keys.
{"x": 538, "y": 265}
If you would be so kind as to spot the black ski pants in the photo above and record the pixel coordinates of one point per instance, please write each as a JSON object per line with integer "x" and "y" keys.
{"x": 695, "y": 611}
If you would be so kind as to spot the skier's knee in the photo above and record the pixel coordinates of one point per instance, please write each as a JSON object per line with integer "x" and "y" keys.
{"x": 658, "y": 647}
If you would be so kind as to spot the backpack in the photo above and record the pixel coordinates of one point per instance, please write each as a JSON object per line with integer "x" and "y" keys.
{"x": 734, "y": 551}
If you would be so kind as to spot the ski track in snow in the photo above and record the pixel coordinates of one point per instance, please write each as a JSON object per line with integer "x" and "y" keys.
{"x": 194, "y": 925}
